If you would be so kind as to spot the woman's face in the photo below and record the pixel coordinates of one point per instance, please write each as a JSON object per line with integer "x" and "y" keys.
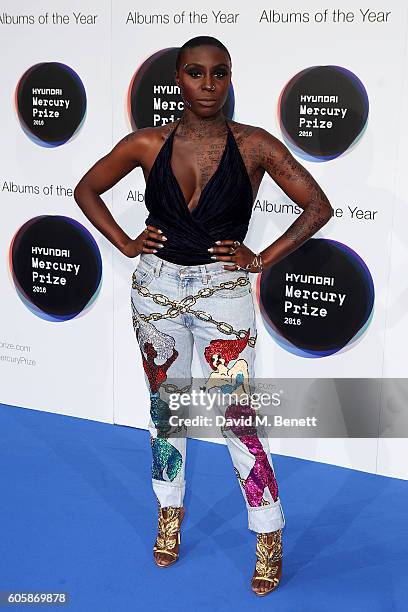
{"x": 204, "y": 77}
{"x": 217, "y": 360}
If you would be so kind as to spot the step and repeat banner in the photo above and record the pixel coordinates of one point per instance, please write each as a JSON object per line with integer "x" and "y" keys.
{"x": 331, "y": 83}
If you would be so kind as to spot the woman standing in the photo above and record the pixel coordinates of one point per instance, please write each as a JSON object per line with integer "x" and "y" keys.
{"x": 192, "y": 286}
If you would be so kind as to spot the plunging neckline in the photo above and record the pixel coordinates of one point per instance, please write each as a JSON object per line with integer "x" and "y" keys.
{"x": 210, "y": 180}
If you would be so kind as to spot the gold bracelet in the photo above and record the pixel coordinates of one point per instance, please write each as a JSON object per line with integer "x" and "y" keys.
{"x": 257, "y": 262}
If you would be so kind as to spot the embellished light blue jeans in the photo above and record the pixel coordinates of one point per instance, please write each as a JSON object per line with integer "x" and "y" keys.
{"x": 175, "y": 307}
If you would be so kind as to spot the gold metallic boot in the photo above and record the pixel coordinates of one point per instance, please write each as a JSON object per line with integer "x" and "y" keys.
{"x": 169, "y": 523}
{"x": 268, "y": 566}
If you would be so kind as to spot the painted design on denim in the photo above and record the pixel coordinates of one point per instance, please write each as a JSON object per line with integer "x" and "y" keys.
{"x": 261, "y": 475}
{"x": 185, "y": 306}
{"x": 221, "y": 352}
{"x": 264, "y": 502}
{"x": 155, "y": 345}
{"x": 229, "y": 379}
{"x": 160, "y": 413}
{"x": 166, "y": 459}
{"x": 230, "y": 374}
{"x": 235, "y": 380}
{"x": 230, "y": 388}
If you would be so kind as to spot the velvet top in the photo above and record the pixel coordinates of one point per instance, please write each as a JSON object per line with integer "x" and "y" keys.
{"x": 222, "y": 212}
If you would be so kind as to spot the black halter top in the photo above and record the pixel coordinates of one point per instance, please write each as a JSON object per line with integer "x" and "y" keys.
{"x": 223, "y": 211}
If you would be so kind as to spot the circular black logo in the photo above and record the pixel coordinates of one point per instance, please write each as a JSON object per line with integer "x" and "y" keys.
{"x": 323, "y": 111}
{"x": 51, "y": 103}
{"x": 56, "y": 267}
{"x": 318, "y": 299}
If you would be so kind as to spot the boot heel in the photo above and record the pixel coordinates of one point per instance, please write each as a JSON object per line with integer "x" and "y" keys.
{"x": 269, "y": 561}
{"x": 168, "y": 534}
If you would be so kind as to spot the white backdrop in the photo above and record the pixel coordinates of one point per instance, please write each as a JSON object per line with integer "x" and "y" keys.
{"x": 90, "y": 366}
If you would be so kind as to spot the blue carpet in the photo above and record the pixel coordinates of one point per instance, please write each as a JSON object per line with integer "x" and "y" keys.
{"x": 78, "y": 515}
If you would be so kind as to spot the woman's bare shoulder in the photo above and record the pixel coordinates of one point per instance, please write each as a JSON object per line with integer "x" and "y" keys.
{"x": 149, "y": 135}
{"x": 256, "y": 139}
{"x": 144, "y": 142}
{"x": 254, "y": 133}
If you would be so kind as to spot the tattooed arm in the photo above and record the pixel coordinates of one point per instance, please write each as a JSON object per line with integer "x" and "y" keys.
{"x": 300, "y": 186}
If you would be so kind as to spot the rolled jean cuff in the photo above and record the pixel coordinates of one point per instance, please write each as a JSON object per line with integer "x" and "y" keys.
{"x": 265, "y": 519}
{"x": 169, "y": 493}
